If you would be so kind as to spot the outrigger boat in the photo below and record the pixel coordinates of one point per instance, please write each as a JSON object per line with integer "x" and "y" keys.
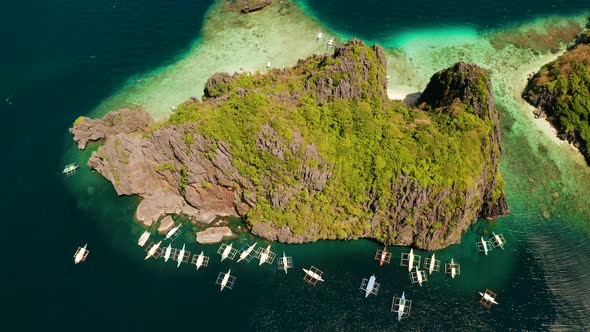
{"x": 432, "y": 264}
{"x": 313, "y": 275}
{"x": 488, "y": 298}
{"x": 498, "y": 240}
{"x": 143, "y": 238}
{"x": 418, "y": 276}
{"x": 369, "y": 286}
{"x": 227, "y": 251}
{"x": 182, "y": 257}
{"x": 285, "y": 263}
{"x": 70, "y": 169}
{"x": 153, "y": 250}
{"x": 200, "y": 260}
{"x": 319, "y": 36}
{"x": 167, "y": 252}
{"x": 483, "y": 246}
{"x": 330, "y": 43}
{"x": 81, "y": 254}
{"x": 453, "y": 269}
{"x": 410, "y": 260}
{"x": 401, "y": 306}
{"x": 246, "y": 252}
{"x": 265, "y": 255}
{"x": 383, "y": 256}
{"x": 172, "y": 234}
{"x": 225, "y": 280}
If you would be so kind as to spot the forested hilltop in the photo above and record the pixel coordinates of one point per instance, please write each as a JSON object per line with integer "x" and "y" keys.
{"x": 561, "y": 92}
{"x": 316, "y": 151}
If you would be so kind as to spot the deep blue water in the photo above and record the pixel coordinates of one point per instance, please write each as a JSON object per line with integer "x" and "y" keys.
{"x": 59, "y": 59}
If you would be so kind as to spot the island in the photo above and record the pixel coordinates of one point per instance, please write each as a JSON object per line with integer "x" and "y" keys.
{"x": 560, "y": 91}
{"x": 316, "y": 151}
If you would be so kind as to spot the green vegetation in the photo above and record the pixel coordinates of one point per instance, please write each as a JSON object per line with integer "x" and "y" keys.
{"x": 367, "y": 142}
{"x": 79, "y": 120}
{"x": 166, "y": 166}
{"x": 562, "y": 89}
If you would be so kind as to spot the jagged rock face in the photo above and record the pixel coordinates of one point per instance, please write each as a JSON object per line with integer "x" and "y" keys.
{"x": 469, "y": 85}
{"x": 330, "y": 83}
{"x": 176, "y": 169}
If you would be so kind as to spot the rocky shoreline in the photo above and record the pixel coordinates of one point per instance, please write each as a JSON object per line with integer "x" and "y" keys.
{"x": 178, "y": 169}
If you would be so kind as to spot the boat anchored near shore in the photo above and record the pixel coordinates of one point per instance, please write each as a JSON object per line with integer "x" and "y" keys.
{"x": 225, "y": 280}
{"x": 401, "y": 306}
{"x": 143, "y": 238}
{"x": 369, "y": 286}
{"x": 70, "y": 169}
{"x": 247, "y": 252}
{"x": 81, "y": 254}
{"x": 432, "y": 264}
{"x": 410, "y": 260}
{"x": 265, "y": 255}
{"x": 313, "y": 275}
{"x": 383, "y": 256}
{"x": 153, "y": 250}
{"x": 200, "y": 260}
{"x": 227, "y": 251}
{"x": 453, "y": 268}
{"x": 285, "y": 263}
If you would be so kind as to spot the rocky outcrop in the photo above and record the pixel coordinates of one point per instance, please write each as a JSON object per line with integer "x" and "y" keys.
{"x": 166, "y": 224}
{"x": 277, "y": 179}
{"x": 213, "y": 235}
{"x": 249, "y": 6}
{"x": 124, "y": 121}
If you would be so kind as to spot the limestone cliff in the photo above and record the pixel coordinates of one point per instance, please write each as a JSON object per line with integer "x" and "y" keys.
{"x": 316, "y": 152}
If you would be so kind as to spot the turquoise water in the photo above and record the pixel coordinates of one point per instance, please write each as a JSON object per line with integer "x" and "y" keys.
{"x": 71, "y": 56}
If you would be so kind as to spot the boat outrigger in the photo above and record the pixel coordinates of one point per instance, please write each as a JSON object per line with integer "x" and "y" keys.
{"x": 401, "y": 306}
{"x": 330, "y": 43}
{"x": 484, "y": 246}
{"x": 167, "y": 253}
{"x": 452, "y": 268}
{"x": 418, "y": 276}
{"x": 246, "y": 252}
{"x": 265, "y": 255}
{"x": 81, "y": 254}
{"x": 227, "y": 251}
{"x": 318, "y": 36}
{"x": 70, "y": 169}
{"x": 410, "y": 260}
{"x": 369, "y": 286}
{"x": 225, "y": 280}
{"x": 432, "y": 264}
{"x": 488, "y": 298}
{"x": 383, "y": 256}
{"x": 498, "y": 240}
{"x": 200, "y": 260}
{"x": 143, "y": 238}
{"x": 313, "y": 275}
{"x": 285, "y": 263}
{"x": 173, "y": 233}
{"x": 181, "y": 256}
{"x": 153, "y": 250}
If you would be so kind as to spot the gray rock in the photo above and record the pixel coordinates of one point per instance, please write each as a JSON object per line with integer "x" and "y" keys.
{"x": 213, "y": 235}
{"x": 166, "y": 224}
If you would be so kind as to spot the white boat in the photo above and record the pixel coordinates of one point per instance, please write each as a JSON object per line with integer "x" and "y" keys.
{"x": 419, "y": 276}
{"x": 370, "y": 286}
{"x": 180, "y": 256}
{"x": 410, "y": 260}
{"x": 70, "y": 169}
{"x": 432, "y": 264}
{"x": 225, "y": 280}
{"x": 313, "y": 275}
{"x": 153, "y": 250}
{"x": 200, "y": 260}
{"x": 453, "y": 269}
{"x": 331, "y": 42}
{"x": 172, "y": 232}
{"x": 167, "y": 253}
{"x": 285, "y": 261}
{"x": 487, "y": 297}
{"x": 81, "y": 254}
{"x": 143, "y": 238}
{"x": 268, "y": 64}
{"x": 484, "y": 245}
{"x": 226, "y": 252}
{"x": 402, "y": 306}
{"x": 319, "y": 36}
{"x": 264, "y": 255}
{"x": 498, "y": 240}
{"x": 246, "y": 252}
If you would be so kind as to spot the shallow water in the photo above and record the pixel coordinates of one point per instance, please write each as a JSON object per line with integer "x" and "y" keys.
{"x": 538, "y": 277}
